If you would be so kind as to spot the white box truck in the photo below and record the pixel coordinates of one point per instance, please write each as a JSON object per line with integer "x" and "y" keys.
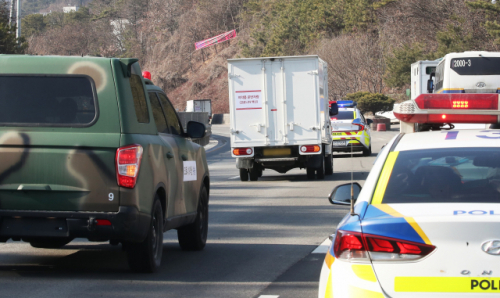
{"x": 200, "y": 105}
{"x": 420, "y": 74}
{"x": 279, "y": 115}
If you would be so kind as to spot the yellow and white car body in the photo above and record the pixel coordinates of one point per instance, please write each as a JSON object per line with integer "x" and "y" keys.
{"x": 346, "y": 136}
{"x": 426, "y": 222}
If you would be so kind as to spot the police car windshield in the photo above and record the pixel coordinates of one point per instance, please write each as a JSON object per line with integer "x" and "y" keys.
{"x": 344, "y": 115}
{"x": 462, "y": 175}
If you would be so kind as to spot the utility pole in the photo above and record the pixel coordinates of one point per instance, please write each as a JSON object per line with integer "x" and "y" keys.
{"x": 18, "y": 18}
{"x": 11, "y": 12}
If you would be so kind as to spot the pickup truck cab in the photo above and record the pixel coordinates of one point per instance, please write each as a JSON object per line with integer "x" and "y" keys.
{"x": 89, "y": 150}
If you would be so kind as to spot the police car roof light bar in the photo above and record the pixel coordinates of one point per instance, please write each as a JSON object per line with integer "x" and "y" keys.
{"x": 347, "y": 103}
{"x": 469, "y": 101}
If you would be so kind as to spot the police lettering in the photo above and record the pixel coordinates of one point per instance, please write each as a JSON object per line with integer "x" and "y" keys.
{"x": 476, "y": 212}
{"x": 485, "y": 284}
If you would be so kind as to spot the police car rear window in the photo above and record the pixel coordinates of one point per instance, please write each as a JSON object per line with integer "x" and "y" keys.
{"x": 461, "y": 175}
{"x": 344, "y": 115}
{"x": 67, "y": 100}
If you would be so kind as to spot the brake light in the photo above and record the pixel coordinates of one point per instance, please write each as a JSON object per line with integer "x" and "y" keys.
{"x": 362, "y": 247}
{"x": 103, "y": 222}
{"x": 128, "y": 162}
{"x": 333, "y": 118}
{"x": 310, "y": 148}
{"x": 242, "y": 151}
{"x": 472, "y": 101}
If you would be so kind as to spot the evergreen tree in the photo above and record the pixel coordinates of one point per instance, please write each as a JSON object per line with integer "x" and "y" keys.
{"x": 493, "y": 12}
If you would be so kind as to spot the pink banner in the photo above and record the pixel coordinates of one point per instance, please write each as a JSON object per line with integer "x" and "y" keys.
{"x": 215, "y": 40}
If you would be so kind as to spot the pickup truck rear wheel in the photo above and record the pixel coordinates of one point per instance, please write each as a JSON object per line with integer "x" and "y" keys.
{"x": 194, "y": 236}
{"x": 243, "y": 174}
{"x": 146, "y": 255}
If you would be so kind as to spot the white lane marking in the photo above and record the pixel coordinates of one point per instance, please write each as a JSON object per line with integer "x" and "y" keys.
{"x": 235, "y": 177}
{"x": 268, "y": 296}
{"x": 323, "y": 247}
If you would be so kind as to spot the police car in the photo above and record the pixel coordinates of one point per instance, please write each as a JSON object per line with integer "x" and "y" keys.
{"x": 350, "y": 130}
{"x": 426, "y": 221}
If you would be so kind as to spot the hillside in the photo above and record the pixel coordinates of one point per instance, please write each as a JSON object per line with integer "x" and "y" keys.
{"x": 368, "y": 44}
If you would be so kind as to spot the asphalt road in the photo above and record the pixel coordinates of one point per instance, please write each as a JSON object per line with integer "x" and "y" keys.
{"x": 261, "y": 238}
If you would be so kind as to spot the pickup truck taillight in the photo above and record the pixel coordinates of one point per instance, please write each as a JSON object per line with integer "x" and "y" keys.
{"x": 128, "y": 161}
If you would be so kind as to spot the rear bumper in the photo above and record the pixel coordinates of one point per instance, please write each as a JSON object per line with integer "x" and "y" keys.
{"x": 355, "y": 147}
{"x": 128, "y": 224}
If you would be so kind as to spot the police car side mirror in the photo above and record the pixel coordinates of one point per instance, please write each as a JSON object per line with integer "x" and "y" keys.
{"x": 341, "y": 194}
{"x": 334, "y": 109}
{"x": 369, "y": 121}
{"x": 195, "y": 130}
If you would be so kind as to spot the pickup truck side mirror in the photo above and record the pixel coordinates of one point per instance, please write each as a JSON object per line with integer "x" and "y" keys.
{"x": 341, "y": 194}
{"x": 334, "y": 109}
{"x": 430, "y": 83}
{"x": 195, "y": 130}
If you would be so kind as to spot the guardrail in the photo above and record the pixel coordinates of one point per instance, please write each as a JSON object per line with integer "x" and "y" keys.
{"x": 201, "y": 117}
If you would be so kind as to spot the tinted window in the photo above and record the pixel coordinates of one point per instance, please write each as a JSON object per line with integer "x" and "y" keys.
{"x": 344, "y": 115}
{"x": 161, "y": 123}
{"x": 141, "y": 108}
{"x": 465, "y": 175}
{"x": 476, "y": 66}
{"x": 172, "y": 120}
{"x": 47, "y": 101}
{"x": 429, "y": 70}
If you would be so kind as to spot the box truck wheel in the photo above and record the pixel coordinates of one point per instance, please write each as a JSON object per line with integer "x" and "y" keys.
{"x": 243, "y": 174}
{"x": 320, "y": 172}
{"x": 329, "y": 164}
{"x": 311, "y": 172}
{"x": 255, "y": 172}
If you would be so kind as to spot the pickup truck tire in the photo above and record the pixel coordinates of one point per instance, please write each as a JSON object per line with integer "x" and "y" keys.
{"x": 320, "y": 172}
{"x": 194, "y": 235}
{"x": 329, "y": 164}
{"x": 243, "y": 174}
{"x": 50, "y": 243}
{"x": 145, "y": 256}
{"x": 311, "y": 173}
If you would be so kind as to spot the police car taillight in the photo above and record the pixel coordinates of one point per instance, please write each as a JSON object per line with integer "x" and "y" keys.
{"x": 357, "y": 246}
{"x": 458, "y": 101}
{"x": 242, "y": 151}
{"x": 360, "y": 126}
{"x": 128, "y": 162}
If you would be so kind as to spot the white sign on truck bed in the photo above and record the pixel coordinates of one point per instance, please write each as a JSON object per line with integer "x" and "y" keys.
{"x": 279, "y": 115}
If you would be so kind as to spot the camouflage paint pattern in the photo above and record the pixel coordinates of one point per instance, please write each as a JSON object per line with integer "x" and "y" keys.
{"x": 73, "y": 169}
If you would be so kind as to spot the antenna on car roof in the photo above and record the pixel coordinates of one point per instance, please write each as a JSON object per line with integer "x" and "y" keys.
{"x": 352, "y": 183}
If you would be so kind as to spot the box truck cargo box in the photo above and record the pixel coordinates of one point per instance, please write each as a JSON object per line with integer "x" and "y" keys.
{"x": 279, "y": 115}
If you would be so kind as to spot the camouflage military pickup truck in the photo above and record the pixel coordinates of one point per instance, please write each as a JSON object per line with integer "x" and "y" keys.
{"x": 89, "y": 149}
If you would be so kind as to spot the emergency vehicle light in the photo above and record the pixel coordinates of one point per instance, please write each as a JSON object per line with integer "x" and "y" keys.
{"x": 446, "y": 118}
{"x": 471, "y": 101}
{"x": 346, "y": 103}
